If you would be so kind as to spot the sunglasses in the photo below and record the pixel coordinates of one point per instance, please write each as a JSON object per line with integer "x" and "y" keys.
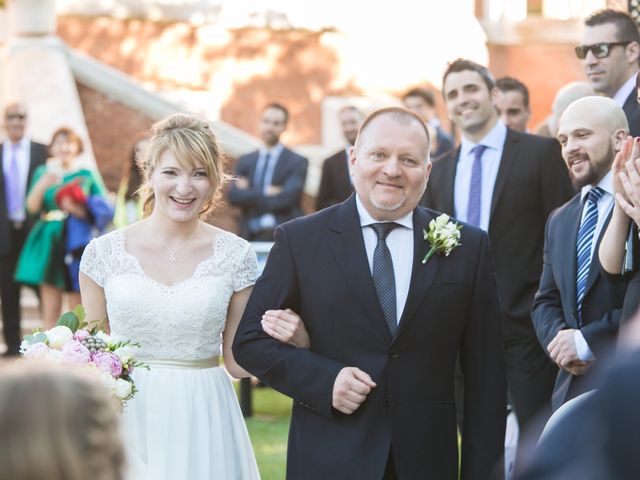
{"x": 599, "y": 50}
{"x": 15, "y": 116}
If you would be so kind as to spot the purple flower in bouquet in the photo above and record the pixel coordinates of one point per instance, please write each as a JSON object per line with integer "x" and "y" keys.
{"x": 108, "y": 363}
{"x": 75, "y": 352}
{"x": 37, "y": 350}
{"x": 81, "y": 335}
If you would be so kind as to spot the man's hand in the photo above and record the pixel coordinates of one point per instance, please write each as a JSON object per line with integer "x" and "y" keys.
{"x": 273, "y": 190}
{"x": 578, "y": 368}
{"x": 286, "y": 326}
{"x": 350, "y": 389}
{"x": 562, "y": 348}
{"x": 242, "y": 183}
{"x": 78, "y": 210}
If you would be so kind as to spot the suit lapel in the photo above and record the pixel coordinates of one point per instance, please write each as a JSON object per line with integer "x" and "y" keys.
{"x": 630, "y": 104}
{"x": 448, "y": 180}
{"x": 567, "y": 250}
{"x": 422, "y": 275}
{"x": 32, "y": 164}
{"x": 509, "y": 156}
{"x": 281, "y": 166}
{"x": 346, "y": 244}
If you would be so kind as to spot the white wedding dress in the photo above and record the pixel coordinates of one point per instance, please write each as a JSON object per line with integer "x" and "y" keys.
{"x": 185, "y": 422}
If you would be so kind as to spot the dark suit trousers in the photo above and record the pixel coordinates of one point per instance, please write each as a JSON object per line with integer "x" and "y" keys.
{"x": 10, "y": 291}
{"x": 390, "y": 469}
{"x": 530, "y": 379}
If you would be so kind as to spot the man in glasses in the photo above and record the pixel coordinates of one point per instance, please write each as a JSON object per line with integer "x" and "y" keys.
{"x": 19, "y": 157}
{"x": 610, "y": 51}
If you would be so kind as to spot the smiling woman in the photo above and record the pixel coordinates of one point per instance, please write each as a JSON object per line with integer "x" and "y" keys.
{"x": 178, "y": 286}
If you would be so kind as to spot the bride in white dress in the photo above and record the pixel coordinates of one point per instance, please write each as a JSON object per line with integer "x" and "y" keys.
{"x": 178, "y": 287}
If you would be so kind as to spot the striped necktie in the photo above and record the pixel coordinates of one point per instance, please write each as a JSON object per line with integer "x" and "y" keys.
{"x": 585, "y": 240}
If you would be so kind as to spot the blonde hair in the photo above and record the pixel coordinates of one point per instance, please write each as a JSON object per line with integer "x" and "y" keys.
{"x": 193, "y": 144}
{"x": 57, "y": 424}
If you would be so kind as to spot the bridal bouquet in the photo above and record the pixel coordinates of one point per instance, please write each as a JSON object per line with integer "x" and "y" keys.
{"x": 70, "y": 342}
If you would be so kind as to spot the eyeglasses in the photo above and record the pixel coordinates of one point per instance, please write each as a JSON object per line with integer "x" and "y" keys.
{"x": 15, "y": 116}
{"x": 599, "y": 50}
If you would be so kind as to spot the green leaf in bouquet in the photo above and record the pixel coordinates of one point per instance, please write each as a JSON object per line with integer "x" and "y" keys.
{"x": 81, "y": 314}
{"x": 40, "y": 337}
{"x": 37, "y": 337}
{"x": 70, "y": 320}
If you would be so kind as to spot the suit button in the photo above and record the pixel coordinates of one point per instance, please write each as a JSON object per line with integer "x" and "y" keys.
{"x": 386, "y": 400}
{"x": 393, "y": 353}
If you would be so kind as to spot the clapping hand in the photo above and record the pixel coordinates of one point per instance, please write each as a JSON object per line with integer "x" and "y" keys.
{"x": 627, "y": 179}
{"x": 286, "y": 326}
{"x": 350, "y": 389}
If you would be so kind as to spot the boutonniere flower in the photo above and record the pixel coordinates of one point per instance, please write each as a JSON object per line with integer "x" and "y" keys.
{"x": 443, "y": 236}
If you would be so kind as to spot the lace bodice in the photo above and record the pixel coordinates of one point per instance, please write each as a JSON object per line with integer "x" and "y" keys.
{"x": 181, "y": 321}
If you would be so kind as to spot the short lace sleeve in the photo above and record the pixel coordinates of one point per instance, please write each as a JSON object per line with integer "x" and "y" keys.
{"x": 92, "y": 264}
{"x": 246, "y": 271}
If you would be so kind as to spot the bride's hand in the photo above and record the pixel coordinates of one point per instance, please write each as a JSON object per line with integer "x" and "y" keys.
{"x": 286, "y": 326}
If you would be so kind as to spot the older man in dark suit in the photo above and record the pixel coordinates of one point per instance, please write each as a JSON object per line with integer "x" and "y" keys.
{"x": 270, "y": 181}
{"x": 19, "y": 157}
{"x": 506, "y": 183}
{"x": 373, "y": 393}
{"x": 335, "y": 183}
{"x": 576, "y": 312}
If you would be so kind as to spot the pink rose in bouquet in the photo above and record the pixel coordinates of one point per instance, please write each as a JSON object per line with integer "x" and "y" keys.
{"x": 75, "y": 352}
{"x": 81, "y": 335}
{"x": 108, "y": 363}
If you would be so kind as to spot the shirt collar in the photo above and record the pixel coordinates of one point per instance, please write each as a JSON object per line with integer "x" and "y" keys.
{"x": 366, "y": 219}
{"x": 493, "y": 140}
{"x": 625, "y": 90}
{"x": 274, "y": 151}
{"x": 605, "y": 183}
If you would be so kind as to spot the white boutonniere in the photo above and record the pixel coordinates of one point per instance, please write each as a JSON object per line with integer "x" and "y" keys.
{"x": 443, "y": 236}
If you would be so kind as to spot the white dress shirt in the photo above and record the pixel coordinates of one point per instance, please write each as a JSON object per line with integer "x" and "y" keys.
{"x": 267, "y": 220}
{"x": 400, "y": 244}
{"x": 625, "y": 90}
{"x": 494, "y": 141}
{"x": 23, "y": 155}
{"x": 605, "y": 204}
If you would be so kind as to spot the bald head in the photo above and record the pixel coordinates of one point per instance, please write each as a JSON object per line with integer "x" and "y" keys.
{"x": 592, "y": 111}
{"x": 569, "y": 93}
{"x": 591, "y": 131}
{"x": 15, "y": 120}
{"x": 399, "y": 115}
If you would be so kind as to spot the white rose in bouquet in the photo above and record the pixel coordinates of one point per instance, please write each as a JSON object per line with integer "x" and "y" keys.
{"x": 125, "y": 354}
{"x": 103, "y": 336}
{"x": 58, "y": 336}
{"x": 123, "y": 388}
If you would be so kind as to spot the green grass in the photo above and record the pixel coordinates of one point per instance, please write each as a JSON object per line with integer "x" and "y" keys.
{"x": 268, "y": 429}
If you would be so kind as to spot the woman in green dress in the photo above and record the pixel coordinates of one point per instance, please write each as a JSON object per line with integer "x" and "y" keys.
{"x": 42, "y": 260}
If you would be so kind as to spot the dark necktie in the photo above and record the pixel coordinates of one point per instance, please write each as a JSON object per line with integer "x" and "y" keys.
{"x": 262, "y": 174}
{"x": 474, "y": 207}
{"x": 583, "y": 246}
{"x": 383, "y": 276}
{"x": 12, "y": 183}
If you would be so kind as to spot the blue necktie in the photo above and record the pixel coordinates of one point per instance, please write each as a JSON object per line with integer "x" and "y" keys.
{"x": 383, "y": 276}
{"x": 474, "y": 207}
{"x": 583, "y": 250}
{"x": 262, "y": 174}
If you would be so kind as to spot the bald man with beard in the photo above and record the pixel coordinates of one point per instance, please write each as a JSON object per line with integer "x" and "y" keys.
{"x": 576, "y": 312}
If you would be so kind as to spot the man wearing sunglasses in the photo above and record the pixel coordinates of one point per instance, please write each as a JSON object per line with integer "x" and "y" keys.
{"x": 610, "y": 52}
{"x": 19, "y": 157}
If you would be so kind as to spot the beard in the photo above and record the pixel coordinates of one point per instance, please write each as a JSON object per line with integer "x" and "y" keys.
{"x": 593, "y": 173}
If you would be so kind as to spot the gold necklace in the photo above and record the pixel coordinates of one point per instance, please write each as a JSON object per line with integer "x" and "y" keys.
{"x": 173, "y": 253}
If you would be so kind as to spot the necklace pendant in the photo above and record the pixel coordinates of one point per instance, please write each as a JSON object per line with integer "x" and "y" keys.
{"x": 172, "y": 258}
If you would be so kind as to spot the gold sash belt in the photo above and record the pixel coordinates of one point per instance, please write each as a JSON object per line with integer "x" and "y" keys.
{"x": 177, "y": 363}
{"x": 54, "y": 216}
